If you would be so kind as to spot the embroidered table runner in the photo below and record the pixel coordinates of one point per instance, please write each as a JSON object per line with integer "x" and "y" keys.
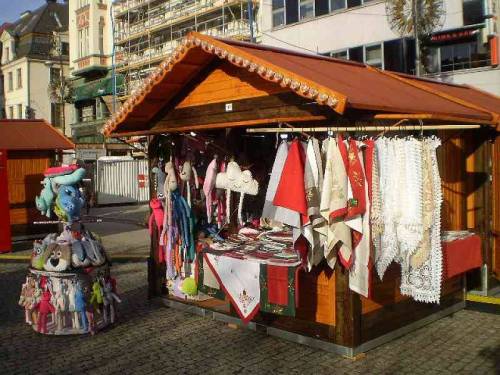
{"x": 239, "y": 278}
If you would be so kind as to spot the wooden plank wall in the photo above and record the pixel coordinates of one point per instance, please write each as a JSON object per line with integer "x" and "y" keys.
{"x": 24, "y": 174}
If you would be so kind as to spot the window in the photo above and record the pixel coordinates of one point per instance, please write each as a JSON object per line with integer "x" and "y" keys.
{"x": 337, "y": 4}
{"x": 291, "y": 11}
{"x": 7, "y": 55}
{"x": 19, "y": 111}
{"x": 458, "y": 56}
{"x": 321, "y": 7}
{"x": 353, "y": 3}
{"x": 19, "y": 78}
{"x": 11, "y": 112}
{"x": 340, "y": 55}
{"x": 11, "y": 81}
{"x": 65, "y": 48}
{"x": 356, "y": 54}
{"x": 55, "y": 75}
{"x": 306, "y": 9}
{"x": 278, "y": 13}
{"x": 83, "y": 42}
{"x": 473, "y": 12}
{"x": 101, "y": 36}
{"x": 373, "y": 56}
{"x": 56, "y": 114}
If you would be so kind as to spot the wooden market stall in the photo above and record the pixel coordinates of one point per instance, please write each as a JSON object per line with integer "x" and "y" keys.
{"x": 28, "y": 148}
{"x": 218, "y": 90}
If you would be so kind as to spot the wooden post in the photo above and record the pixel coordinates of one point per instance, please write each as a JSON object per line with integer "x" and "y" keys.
{"x": 347, "y": 311}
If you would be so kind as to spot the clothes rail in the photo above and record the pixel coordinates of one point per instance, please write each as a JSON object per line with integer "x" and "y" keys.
{"x": 375, "y": 128}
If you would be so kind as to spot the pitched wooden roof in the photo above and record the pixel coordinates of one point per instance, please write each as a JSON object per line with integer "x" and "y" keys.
{"x": 331, "y": 82}
{"x": 31, "y": 135}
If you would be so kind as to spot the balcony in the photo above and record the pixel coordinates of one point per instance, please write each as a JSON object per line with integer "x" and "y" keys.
{"x": 91, "y": 63}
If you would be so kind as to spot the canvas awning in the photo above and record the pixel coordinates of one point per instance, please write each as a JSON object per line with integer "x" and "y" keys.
{"x": 338, "y": 84}
{"x": 97, "y": 88}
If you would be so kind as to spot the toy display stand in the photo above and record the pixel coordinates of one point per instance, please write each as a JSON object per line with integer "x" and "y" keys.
{"x": 68, "y": 316}
{"x": 68, "y": 289}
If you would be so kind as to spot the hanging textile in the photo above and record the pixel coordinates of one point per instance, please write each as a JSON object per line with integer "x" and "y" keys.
{"x": 271, "y": 211}
{"x": 313, "y": 182}
{"x": 209, "y": 187}
{"x": 279, "y": 289}
{"x": 423, "y": 282}
{"x": 333, "y": 206}
{"x": 360, "y": 273}
{"x": 290, "y": 192}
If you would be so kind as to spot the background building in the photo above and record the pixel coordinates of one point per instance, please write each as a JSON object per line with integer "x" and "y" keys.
{"x": 91, "y": 50}
{"x": 146, "y": 31}
{"x": 463, "y": 50}
{"x": 34, "y": 62}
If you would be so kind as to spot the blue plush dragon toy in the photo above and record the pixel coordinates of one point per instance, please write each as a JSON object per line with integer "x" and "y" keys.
{"x": 62, "y": 195}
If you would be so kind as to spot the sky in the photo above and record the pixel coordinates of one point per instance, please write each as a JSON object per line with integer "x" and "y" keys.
{"x": 10, "y": 10}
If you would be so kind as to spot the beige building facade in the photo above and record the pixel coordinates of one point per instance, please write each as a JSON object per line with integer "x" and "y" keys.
{"x": 34, "y": 62}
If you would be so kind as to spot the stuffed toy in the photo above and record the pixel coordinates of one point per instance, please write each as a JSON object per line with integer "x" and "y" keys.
{"x": 59, "y": 258}
{"x": 59, "y": 211}
{"x": 156, "y": 218}
{"x": 59, "y": 301}
{"x": 27, "y": 299}
{"x": 70, "y": 179}
{"x": 71, "y": 289}
{"x": 79, "y": 257}
{"x": 109, "y": 299}
{"x": 160, "y": 178}
{"x": 71, "y": 201}
{"x": 60, "y": 171}
{"x": 93, "y": 250}
{"x": 186, "y": 173}
{"x": 80, "y": 309}
{"x": 44, "y": 307}
{"x": 96, "y": 297}
{"x": 41, "y": 251}
{"x": 46, "y": 199}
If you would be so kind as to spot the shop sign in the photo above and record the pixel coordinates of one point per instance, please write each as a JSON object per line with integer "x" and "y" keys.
{"x": 90, "y": 154}
{"x": 452, "y": 35}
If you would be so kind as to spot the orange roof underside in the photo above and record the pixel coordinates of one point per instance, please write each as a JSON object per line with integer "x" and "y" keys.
{"x": 336, "y": 83}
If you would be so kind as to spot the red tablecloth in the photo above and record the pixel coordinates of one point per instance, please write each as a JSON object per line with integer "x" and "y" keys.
{"x": 461, "y": 255}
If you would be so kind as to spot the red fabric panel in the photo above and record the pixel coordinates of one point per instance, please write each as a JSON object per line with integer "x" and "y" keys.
{"x": 277, "y": 285}
{"x": 291, "y": 192}
{"x": 5, "y": 241}
{"x": 462, "y": 255}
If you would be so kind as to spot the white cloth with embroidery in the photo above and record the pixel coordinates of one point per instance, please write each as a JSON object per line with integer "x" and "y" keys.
{"x": 359, "y": 274}
{"x": 240, "y": 280}
{"x": 313, "y": 181}
{"x": 333, "y": 200}
{"x": 422, "y": 279}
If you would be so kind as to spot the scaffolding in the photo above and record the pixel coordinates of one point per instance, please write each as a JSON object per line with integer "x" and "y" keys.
{"x": 146, "y": 31}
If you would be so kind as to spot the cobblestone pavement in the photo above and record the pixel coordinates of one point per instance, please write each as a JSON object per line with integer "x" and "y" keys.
{"x": 152, "y": 339}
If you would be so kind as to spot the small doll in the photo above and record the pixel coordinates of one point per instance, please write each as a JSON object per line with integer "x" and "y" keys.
{"x": 81, "y": 309}
{"x": 26, "y": 298}
{"x": 60, "y": 302}
{"x": 109, "y": 298}
{"x": 96, "y": 297}
{"x": 44, "y": 307}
